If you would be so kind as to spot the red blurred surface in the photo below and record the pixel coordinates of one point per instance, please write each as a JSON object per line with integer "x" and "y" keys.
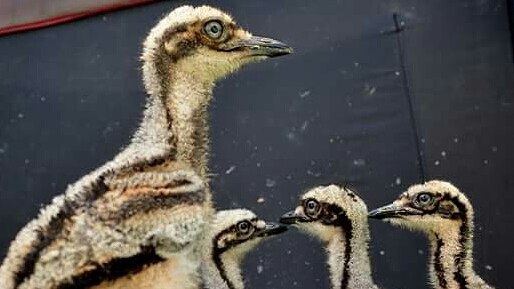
{"x": 21, "y": 15}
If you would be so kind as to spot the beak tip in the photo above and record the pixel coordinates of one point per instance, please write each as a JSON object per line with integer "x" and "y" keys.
{"x": 273, "y": 229}
{"x": 389, "y": 211}
{"x": 289, "y": 50}
{"x": 288, "y": 218}
{"x": 279, "y": 52}
{"x": 374, "y": 214}
{"x": 263, "y": 46}
{"x": 281, "y": 229}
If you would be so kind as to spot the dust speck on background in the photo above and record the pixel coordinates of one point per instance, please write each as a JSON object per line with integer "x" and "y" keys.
{"x": 230, "y": 170}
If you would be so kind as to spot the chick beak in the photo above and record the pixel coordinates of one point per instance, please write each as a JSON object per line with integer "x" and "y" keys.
{"x": 392, "y": 211}
{"x": 291, "y": 218}
{"x": 272, "y": 229}
{"x": 261, "y": 46}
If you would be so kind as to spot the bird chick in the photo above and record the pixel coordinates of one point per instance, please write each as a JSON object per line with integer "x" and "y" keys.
{"x": 145, "y": 210}
{"x": 338, "y": 217}
{"x": 232, "y": 235}
{"x": 439, "y": 210}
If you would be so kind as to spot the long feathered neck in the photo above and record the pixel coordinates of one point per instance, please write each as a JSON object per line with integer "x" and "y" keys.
{"x": 451, "y": 263}
{"x": 348, "y": 257}
{"x": 174, "y": 125}
{"x": 222, "y": 270}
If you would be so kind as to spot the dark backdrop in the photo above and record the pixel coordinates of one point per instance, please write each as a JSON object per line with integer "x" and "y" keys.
{"x": 379, "y": 94}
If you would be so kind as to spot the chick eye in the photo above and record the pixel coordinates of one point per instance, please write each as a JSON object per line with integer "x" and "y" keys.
{"x": 424, "y": 199}
{"x": 243, "y": 227}
{"x": 311, "y": 207}
{"x": 213, "y": 29}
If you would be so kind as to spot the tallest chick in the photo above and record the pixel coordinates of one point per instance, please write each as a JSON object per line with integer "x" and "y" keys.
{"x": 135, "y": 222}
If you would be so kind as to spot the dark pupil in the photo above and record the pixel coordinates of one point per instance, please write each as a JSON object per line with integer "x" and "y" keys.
{"x": 243, "y": 226}
{"x": 424, "y": 198}
{"x": 214, "y": 29}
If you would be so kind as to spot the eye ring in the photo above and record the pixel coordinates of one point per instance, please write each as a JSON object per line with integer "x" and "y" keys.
{"x": 244, "y": 227}
{"x": 424, "y": 199}
{"x": 311, "y": 207}
{"x": 213, "y": 29}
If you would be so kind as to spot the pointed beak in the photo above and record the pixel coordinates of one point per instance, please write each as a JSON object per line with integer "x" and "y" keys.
{"x": 272, "y": 229}
{"x": 261, "y": 46}
{"x": 393, "y": 211}
{"x": 291, "y": 218}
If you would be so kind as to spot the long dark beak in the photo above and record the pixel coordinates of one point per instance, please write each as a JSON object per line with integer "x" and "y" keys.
{"x": 392, "y": 211}
{"x": 291, "y": 218}
{"x": 272, "y": 229}
{"x": 261, "y": 46}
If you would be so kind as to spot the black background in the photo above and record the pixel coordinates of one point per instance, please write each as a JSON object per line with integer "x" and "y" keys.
{"x": 358, "y": 102}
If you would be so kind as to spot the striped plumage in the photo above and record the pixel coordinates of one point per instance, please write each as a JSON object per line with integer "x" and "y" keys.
{"x": 338, "y": 217}
{"x": 439, "y": 210}
{"x": 138, "y": 219}
{"x": 232, "y": 235}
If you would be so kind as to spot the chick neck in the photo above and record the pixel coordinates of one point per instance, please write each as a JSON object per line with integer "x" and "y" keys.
{"x": 175, "y": 123}
{"x": 451, "y": 262}
{"x": 348, "y": 256}
{"x": 221, "y": 269}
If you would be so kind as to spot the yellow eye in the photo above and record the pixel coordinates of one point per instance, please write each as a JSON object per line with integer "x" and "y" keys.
{"x": 213, "y": 29}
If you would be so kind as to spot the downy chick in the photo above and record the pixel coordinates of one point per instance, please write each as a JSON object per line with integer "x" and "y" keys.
{"x": 443, "y": 213}
{"x": 338, "y": 217}
{"x": 232, "y": 235}
{"x": 143, "y": 213}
